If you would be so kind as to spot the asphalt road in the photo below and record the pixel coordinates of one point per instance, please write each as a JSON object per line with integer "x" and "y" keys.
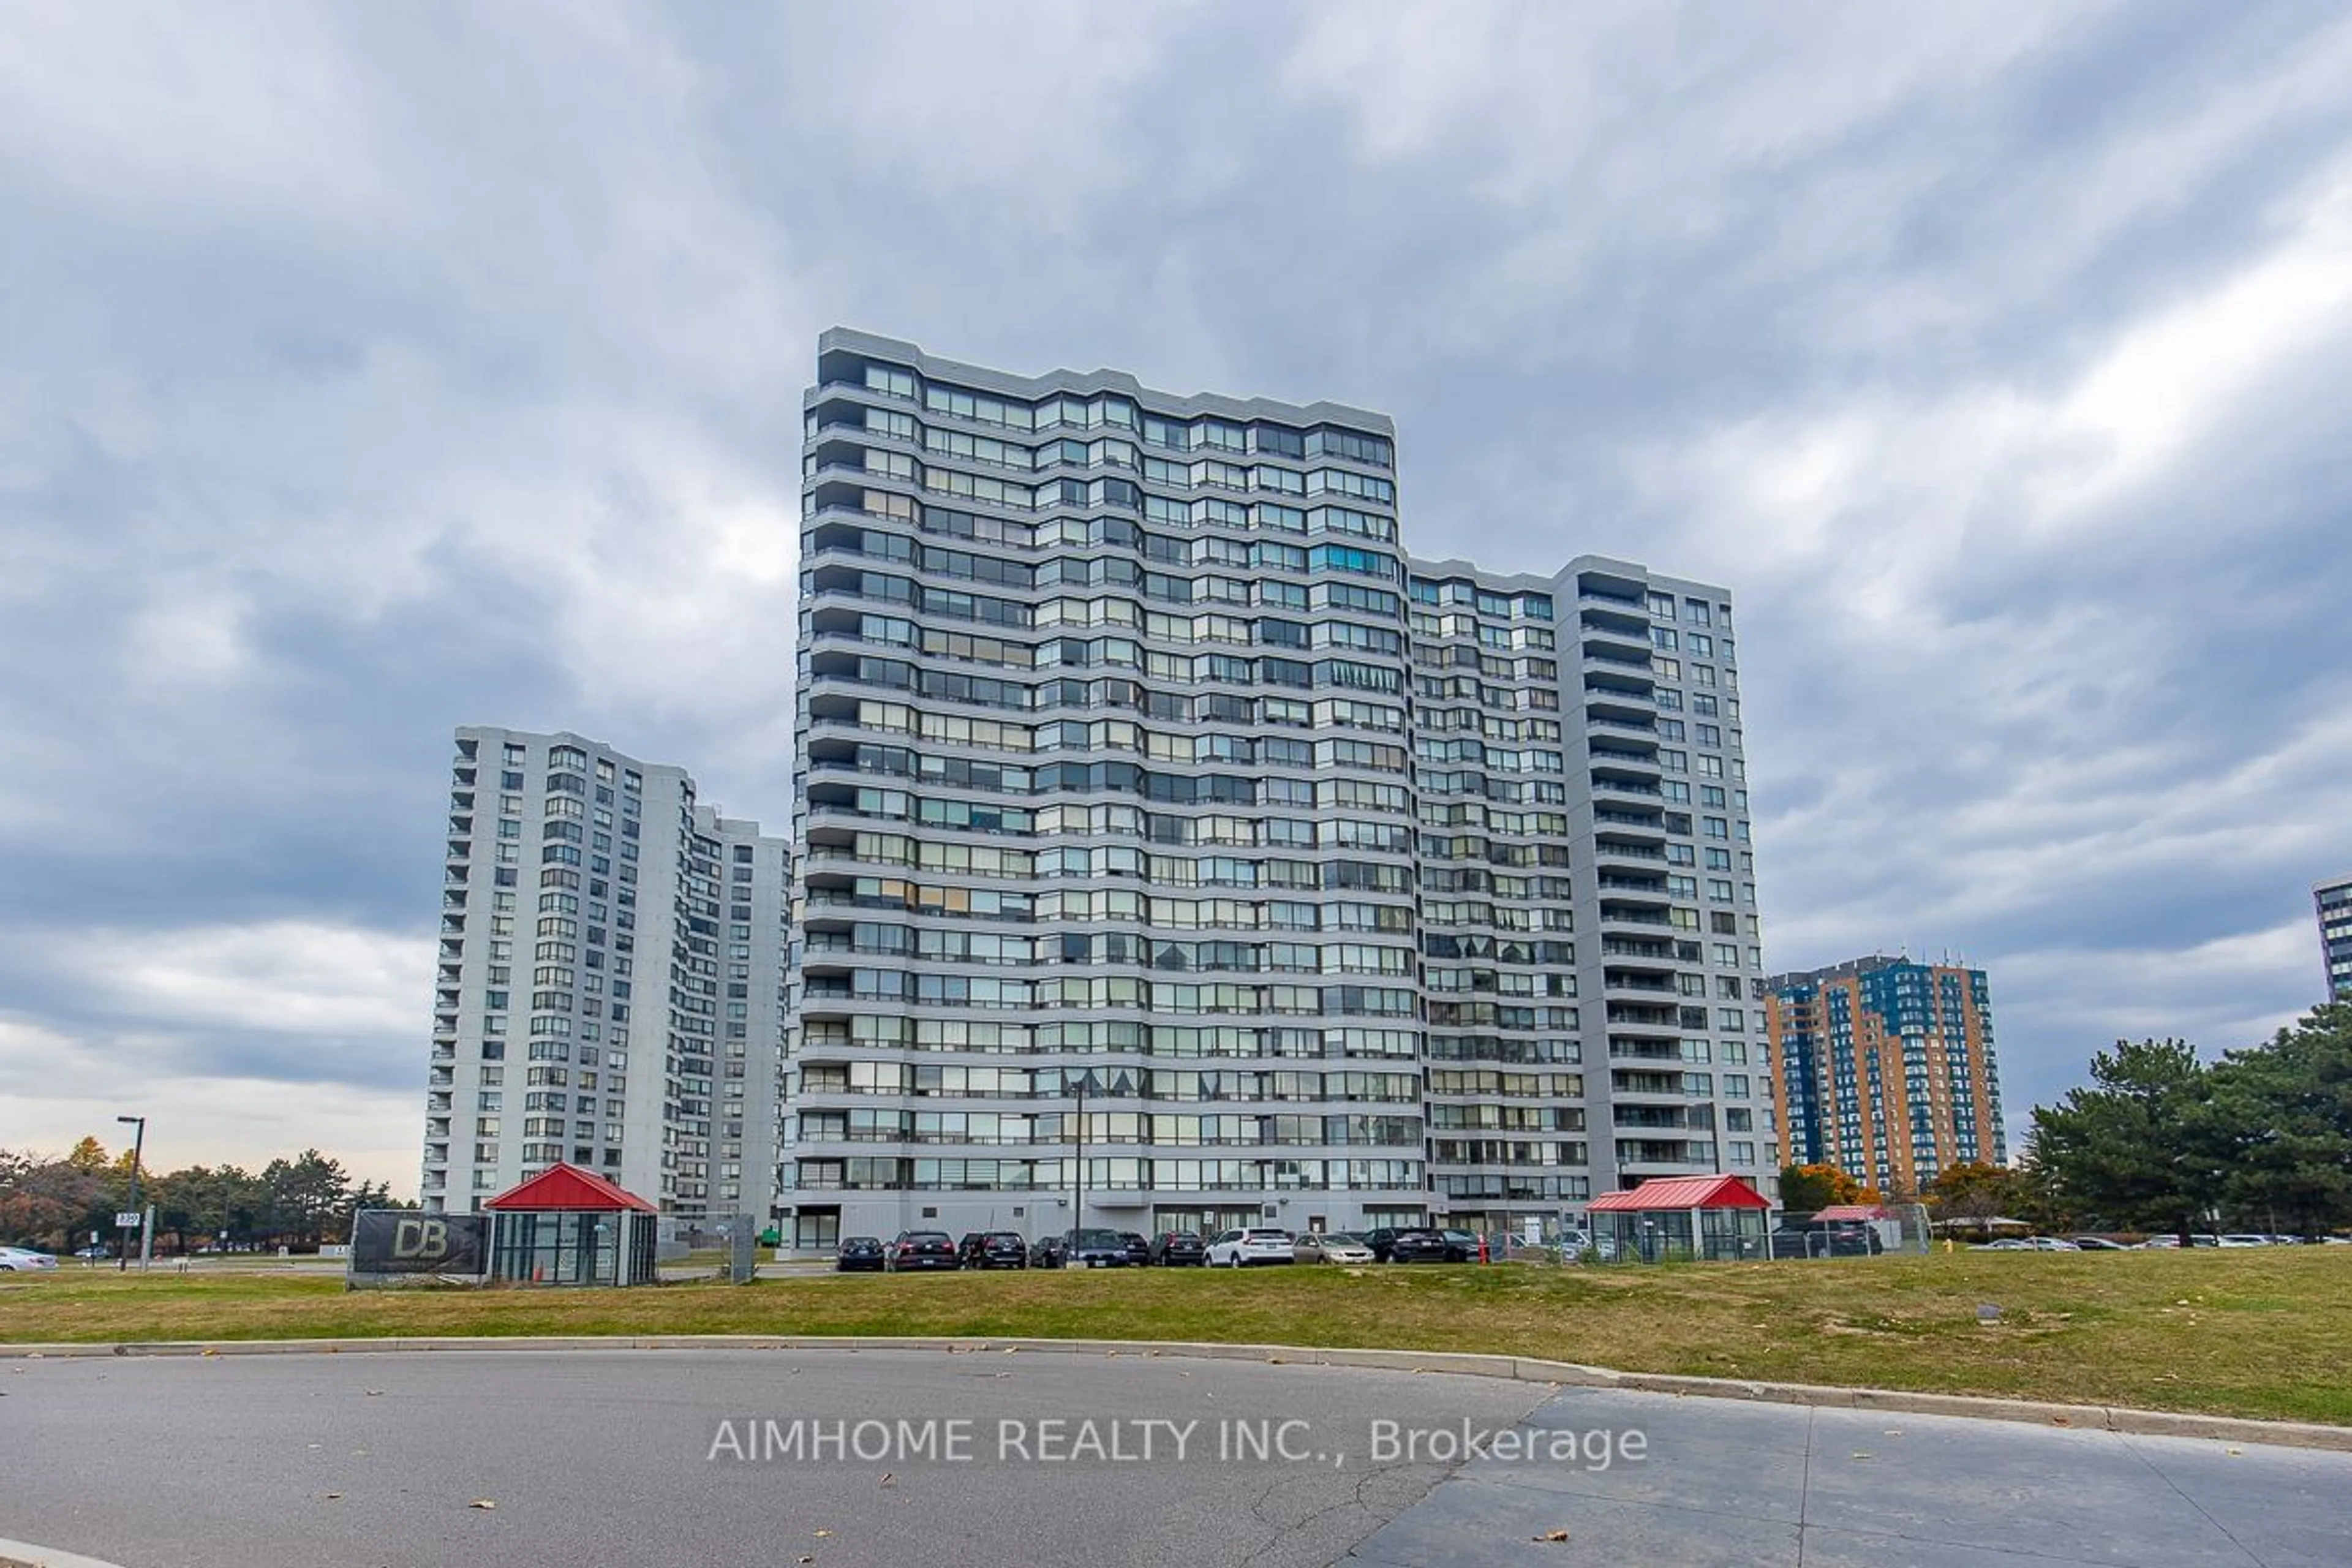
{"x": 621, "y": 1457}
{"x": 659, "y": 1457}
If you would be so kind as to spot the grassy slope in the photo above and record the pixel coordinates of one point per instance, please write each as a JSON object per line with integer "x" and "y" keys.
{"x": 2260, "y": 1332}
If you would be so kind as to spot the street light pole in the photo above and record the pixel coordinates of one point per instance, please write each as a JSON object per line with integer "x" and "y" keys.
{"x": 138, "y": 1145}
{"x": 1079, "y": 1176}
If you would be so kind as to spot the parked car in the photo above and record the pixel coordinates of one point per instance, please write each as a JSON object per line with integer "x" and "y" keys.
{"x": 993, "y": 1249}
{"x": 2241, "y": 1239}
{"x": 1330, "y": 1247}
{"x": 1046, "y": 1252}
{"x": 1418, "y": 1247}
{"x": 1138, "y": 1250}
{"x": 2006, "y": 1244}
{"x": 1095, "y": 1249}
{"x": 2098, "y": 1244}
{"x": 859, "y": 1252}
{"x": 1461, "y": 1246}
{"x": 24, "y": 1260}
{"x": 1179, "y": 1249}
{"x": 1835, "y": 1238}
{"x": 914, "y": 1251}
{"x": 92, "y": 1254}
{"x": 1381, "y": 1239}
{"x": 1241, "y": 1248}
{"x": 2051, "y": 1244}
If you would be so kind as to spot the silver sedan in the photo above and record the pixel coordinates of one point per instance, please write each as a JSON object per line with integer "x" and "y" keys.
{"x": 1332, "y": 1246}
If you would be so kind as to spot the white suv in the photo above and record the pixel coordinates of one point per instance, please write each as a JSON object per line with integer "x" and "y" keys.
{"x": 1239, "y": 1248}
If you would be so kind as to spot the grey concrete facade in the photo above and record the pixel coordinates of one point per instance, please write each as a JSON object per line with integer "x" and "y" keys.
{"x": 609, "y": 981}
{"x": 1133, "y": 743}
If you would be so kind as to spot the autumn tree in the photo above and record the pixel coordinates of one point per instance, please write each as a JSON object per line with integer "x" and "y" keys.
{"x": 1807, "y": 1189}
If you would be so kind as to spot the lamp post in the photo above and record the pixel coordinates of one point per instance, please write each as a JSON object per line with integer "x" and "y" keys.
{"x": 1085, "y": 1080}
{"x": 138, "y": 1145}
{"x": 1082, "y": 1085}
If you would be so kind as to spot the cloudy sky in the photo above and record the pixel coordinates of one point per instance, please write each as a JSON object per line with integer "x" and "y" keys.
{"x": 365, "y": 371}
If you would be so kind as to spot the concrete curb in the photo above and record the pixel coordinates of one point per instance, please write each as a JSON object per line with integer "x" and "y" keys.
{"x": 16, "y": 1554}
{"x": 1523, "y": 1369}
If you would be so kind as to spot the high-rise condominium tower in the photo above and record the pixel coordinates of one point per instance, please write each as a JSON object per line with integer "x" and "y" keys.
{"x": 1138, "y": 757}
{"x": 1886, "y": 1069}
{"x": 610, "y": 982}
{"x": 2333, "y": 904}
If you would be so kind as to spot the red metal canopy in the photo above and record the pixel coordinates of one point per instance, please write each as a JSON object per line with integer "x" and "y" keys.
{"x": 1683, "y": 1193}
{"x": 563, "y": 1187}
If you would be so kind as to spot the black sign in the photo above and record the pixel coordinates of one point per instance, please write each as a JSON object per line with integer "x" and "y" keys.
{"x": 401, "y": 1241}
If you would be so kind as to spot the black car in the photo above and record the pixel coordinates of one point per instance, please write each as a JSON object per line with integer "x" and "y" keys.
{"x": 912, "y": 1250}
{"x": 1138, "y": 1249}
{"x": 1420, "y": 1246}
{"x": 1835, "y": 1239}
{"x": 995, "y": 1249}
{"x": 1179, "y": 1249}
{"x": 1095, "y": 1249}
{"x": 1381, "y": 1242}
{"x": 859, "y": 1252}
{"x": 1046, "y": 1252}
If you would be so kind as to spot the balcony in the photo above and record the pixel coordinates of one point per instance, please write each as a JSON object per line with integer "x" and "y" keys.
{"x": 1654, "y": 1118}
{"x": 1625, "y": 637}
{"x": 1603, "y": 701}
{"x": 1600, "y": 586}
{"x": 1632, "y": 897}
{"x": 1654, "y": 1155}
{"x": 1599, "y": 659}
{"x": 1633, "y": 763}
{"x": 1627, "y": 789}
{"x": 1647, "y": 1085}
{"x": 1606, "y": 850}
{"x": 1645, "y": 1016}
{"x": 1616, "y": 983}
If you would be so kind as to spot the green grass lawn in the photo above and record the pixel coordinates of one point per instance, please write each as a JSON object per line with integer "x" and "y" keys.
{"x": 2263, "y": 1331}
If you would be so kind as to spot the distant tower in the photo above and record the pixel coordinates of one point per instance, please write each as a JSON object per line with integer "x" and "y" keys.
{"x": 1886, "y": 1068}
{"x": 609, "y": 983}
{"x": 2334, "y": 904}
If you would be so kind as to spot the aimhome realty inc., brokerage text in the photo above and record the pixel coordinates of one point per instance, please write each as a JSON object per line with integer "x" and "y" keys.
{"x": 1159, "y": 1440}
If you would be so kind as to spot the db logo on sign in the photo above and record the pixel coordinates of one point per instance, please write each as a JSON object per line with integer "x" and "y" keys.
{"x": 420, "y": 1238}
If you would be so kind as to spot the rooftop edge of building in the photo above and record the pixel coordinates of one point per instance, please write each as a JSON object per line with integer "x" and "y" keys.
{"x": 717, "y": 813}
{"x": 1870, "y": 964}
{"x": 1610, "y": 566}
{"x": 980, "y": 378}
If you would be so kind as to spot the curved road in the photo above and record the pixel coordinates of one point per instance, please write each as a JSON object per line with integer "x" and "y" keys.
{"x": 842, "y": 1459}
